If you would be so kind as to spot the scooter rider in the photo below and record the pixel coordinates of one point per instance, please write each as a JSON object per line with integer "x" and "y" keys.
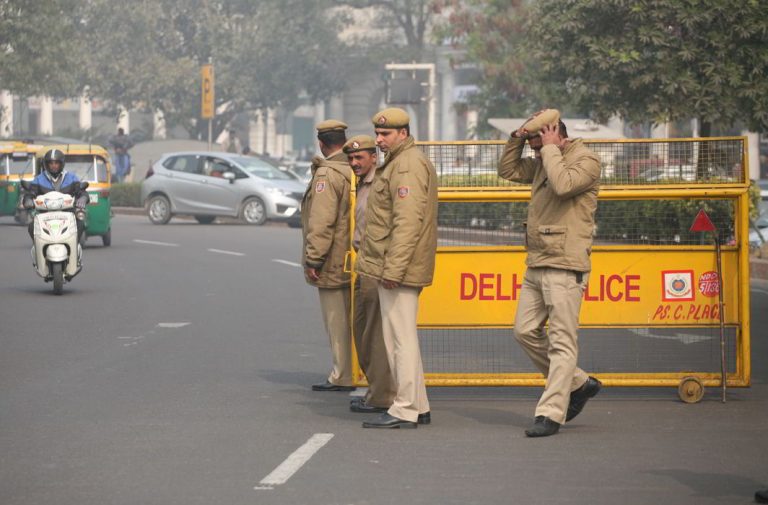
{"x": 55, "y": 178}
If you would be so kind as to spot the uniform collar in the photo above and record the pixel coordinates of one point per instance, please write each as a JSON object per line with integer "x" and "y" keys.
{"x": 406, "y": 144}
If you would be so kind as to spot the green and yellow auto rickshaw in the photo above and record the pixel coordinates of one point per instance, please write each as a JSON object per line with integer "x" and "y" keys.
{"x": 17, "y": 161}
{"x": 91, "y": 163}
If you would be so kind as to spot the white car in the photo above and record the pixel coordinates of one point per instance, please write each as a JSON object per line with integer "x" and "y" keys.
{"x": 210, "y": 184}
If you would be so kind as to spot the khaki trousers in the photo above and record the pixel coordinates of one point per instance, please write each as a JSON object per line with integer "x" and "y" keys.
{"x": 554, "y": 295}
{"x": 399, "y": 307}
{"x": 369, "y": 341}
{"x": 334, "y": 303}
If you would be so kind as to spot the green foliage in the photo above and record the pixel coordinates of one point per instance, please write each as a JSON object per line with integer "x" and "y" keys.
{"x": 126, "y": 194}
{"x": 39, "y": 46}
{"x": 655, "y": 60}
{"x": 492, "y": 32}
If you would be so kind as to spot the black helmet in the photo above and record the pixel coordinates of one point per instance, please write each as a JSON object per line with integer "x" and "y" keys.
{"x": 53, "y": 155}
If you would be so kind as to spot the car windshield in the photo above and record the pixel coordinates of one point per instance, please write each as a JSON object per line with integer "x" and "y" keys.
{"x": 87, "y": 167}
{"x": 261, "y": 168}
{"x": 18, "y": 164}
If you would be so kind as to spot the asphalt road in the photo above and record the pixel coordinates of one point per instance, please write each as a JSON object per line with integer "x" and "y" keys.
{"x": 176, "y": 369}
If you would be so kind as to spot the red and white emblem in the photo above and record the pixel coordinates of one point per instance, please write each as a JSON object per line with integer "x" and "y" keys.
{"x": 320, "y": 187}
{"x": 708, "y": 284}
{"x": 355, "y": 145}
{"x": 382, "y": 119}
{"x": 403, "y": 191}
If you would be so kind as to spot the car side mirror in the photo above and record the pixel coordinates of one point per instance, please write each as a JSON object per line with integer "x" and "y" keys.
{"x": 230, "y": 176}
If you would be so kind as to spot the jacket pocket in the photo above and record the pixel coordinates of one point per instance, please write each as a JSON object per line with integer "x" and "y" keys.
{"x": 552, "y": 238}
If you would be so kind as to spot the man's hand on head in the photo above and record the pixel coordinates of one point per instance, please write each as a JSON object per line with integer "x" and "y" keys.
{"x": 550, "y": 134}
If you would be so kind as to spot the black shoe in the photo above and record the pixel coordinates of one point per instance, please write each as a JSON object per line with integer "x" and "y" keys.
{"x": 361, "y": 406}
{"x": 387, "y": 421}
{"x": 580, "y": 396}
{"x": 761, "y": 496}
{"x": 542, "y": 427}
{"x": 327, "y": 386}
{"x": 425, "y": 418}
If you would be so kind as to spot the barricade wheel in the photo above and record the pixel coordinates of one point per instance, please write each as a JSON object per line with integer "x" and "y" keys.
{"x": 690, "y": 390}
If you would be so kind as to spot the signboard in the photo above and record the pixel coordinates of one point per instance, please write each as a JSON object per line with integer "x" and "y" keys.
{"x": 626, "y": 288}
{"x": 207, "y": 110}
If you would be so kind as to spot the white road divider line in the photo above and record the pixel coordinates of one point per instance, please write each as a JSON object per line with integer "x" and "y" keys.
{"x": 295, "y": 461}
{"x": 289, "y": 263}
{"x": 173, "y": 325}
{"x": 152, "y": 242}
{"x": 231, "y": 253}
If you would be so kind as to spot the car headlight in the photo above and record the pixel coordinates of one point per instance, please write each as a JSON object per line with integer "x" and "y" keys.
{"x": 277, "y": 191}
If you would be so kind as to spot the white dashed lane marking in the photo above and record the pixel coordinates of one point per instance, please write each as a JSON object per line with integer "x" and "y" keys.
{"x": 231, "y": 253}
{"x": 289, "y": 263}
{"x": 295, "y": 461}
{"x": 152, "y": 242}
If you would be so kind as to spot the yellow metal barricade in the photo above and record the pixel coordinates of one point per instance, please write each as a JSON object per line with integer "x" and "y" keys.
{"x": 650, "y": 315}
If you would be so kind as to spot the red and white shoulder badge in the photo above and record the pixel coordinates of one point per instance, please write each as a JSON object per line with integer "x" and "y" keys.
{"x": 320, "y": 187}
{"x": 403, "y": 191}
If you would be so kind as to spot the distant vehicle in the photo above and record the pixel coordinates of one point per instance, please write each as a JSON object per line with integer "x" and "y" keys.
{"x": 210, "y": 184}
{"x": 759, "y": 233}
{"x": 302, "y": 170}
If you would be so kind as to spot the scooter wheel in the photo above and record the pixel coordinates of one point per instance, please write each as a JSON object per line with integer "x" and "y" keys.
{"x": 58, "y": 278}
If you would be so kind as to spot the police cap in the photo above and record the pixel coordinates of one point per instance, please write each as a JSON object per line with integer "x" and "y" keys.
{"x": 359, "y": 143}
{"x": 391, "y": 118}
{"x": 330, "y": 125}
{"x": 546, "y": 117}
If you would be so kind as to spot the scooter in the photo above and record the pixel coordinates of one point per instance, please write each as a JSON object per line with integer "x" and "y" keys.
{"x": 56, "y": 252}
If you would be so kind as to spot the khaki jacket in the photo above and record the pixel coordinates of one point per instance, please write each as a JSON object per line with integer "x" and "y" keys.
{"x": 401, "y": 219}
{"x": 325, "y": 221}
{"x": 561, "y": 214}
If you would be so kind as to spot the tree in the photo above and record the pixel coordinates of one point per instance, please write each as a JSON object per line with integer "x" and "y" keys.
{"x": 658, "y": 60}
{"x": 412, "y": 17}
{"x": 39, "y": 47}
{"x": 492, "y": 33}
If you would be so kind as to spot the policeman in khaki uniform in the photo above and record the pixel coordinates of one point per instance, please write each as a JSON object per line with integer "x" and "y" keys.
{"x": 367, "y": 330}
{"x": 398, "y": 251}
{"x": 565, "y": 179}
{"x": 325, "y": 226}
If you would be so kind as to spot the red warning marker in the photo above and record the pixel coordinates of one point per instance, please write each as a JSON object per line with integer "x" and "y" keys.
{"x": 702, "y": 222}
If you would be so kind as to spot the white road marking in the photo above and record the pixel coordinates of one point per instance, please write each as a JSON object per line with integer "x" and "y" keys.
{"x": 295, "y": 461}
{"x": 173, "y": 325}
{"x": 231, "y": 253}
{"x": 683, "y": 338}
{"x": 289, "y": 263}
{"x": 152, "y": 242}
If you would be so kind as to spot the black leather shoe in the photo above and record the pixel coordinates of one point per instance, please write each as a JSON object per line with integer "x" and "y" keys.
{"x": 327, "y": 386}
{"x": 580, "y": 396}
{"x": 387, "y": 421}
{"x": 542, "y": 427}
{"x": 761, "y": 496}
{"x": 425, "y": 418}
{"x": 361, "y": 406}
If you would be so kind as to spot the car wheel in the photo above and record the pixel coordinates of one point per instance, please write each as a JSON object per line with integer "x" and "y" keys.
{"x": 205, "y": 219}
{"x": 254, "y": 212}
{"x": 159, "y": 209}
{"x": 295, "y": 223}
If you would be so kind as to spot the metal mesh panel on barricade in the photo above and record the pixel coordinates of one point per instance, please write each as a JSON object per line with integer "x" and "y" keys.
{"x": 650, "y": 313}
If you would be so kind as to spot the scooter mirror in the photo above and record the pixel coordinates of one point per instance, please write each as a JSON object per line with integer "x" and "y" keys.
{"x": 26, "y": 185}
{"x": 84, "y": 185}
